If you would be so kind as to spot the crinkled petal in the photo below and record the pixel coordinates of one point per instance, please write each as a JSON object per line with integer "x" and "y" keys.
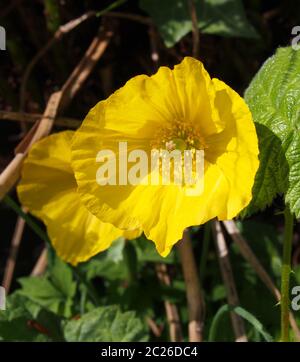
{"x": 135, "y": 112}
{"x": 49, "y": 190}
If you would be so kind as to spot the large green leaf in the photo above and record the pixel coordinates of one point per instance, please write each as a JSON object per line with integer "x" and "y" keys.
{"x": 14, "y": 322}
{"x": 274, "y": 100}
{"x": 220, "y": 17}
{"x": 55, "y": 293}
{"x": 106, "y": 324}
{"x": 18, "y": 330}
{"x": 23, "y": 320}
{"x": 41, "y": 291}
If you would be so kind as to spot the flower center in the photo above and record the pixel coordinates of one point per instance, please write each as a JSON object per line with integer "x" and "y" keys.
{"x": 183, "y": 168}
{"x": 178, "y": 136}
{"x": 176, "y": 144}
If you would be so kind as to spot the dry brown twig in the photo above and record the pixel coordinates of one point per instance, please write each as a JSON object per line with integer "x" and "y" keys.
{"x": 154, "y": 46}
{"x": 57, "y": 102}
{"x": 156, "y": 330}
{"x": 41, "y": 264}
{"x": 227, "y": 275}
{"x": 63, "y": 29}
{"x": 193, "y": 289}
{"x": 33, "y": 117}
{"x": 195, "y": 29}
{"x": 85, "y": 66}
{"x": 138, "y": 18}
{"x": 13, "y": 252}
{"x": 11, "y": 174}
{"x": 171, "y": 309}
{"x": 249, "y": 255}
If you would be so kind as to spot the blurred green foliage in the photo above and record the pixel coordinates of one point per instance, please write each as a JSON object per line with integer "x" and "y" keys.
{"x": 218, "y": 17}
{"x": 62, "y": 309}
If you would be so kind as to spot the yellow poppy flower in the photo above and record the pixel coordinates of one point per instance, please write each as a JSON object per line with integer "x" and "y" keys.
{"x": 183, "y": 108}
{"x": 49, "y": 190}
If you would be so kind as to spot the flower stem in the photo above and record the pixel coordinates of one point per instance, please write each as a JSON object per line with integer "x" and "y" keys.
{"x": 91, "y": 290}
{"x": 29, "y": 221}
{"x": 130, "y": 259}
{"x": 285, "y": 273}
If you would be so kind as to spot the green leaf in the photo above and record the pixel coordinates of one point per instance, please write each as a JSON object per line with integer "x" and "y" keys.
{"x": 271, "y": 178}
{"x": 220, "y": 17}
{"x": 242, "y": 313}
{"x": 14, "y": 321}
{"x": 54, "y": 293}
{"x": 41, "y": 291}
{"x": 103, "y": 266}
{"x": 62, "y": 278}
{"x": 274, "y": 100}
{"x": 109, "y": 264}
{"x": 218, "y": 293}
{"x": 146, "y": 252}
{"x": 23, "y": 320}
{"x": 106, "y": 324}
{"x": 18, "y": 330}
{"x": 115, "y": 252}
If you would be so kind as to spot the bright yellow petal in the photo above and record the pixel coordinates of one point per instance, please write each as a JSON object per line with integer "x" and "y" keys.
{"x": 47, "y": 174}
{"x": 235, "y": 150}
{"x": 49, "y": 190}
{"x": 136, "y": 113}
{"x": 75, "y": 233}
